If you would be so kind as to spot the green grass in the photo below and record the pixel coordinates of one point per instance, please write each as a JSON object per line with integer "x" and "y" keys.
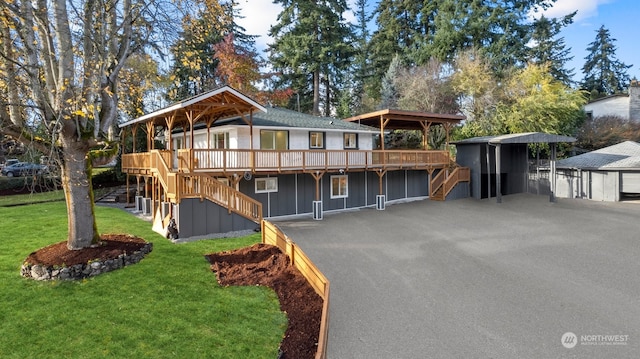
{"x": 167, "y": 306}
{"x": 31, "y": 198}
{"x": 19, "y": 199}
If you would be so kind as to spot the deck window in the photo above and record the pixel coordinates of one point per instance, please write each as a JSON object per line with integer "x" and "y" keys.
{"x": 350, "y": 140}
{"x": 274, "y": 140}
{"x": 339, "y": 186}
{"x": 219, "y": 140}
{"x": 316, "y": 139}
{"x": 266, "y": 184}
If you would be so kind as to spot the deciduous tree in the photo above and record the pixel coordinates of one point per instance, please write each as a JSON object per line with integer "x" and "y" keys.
{"x": 63, "y": 61}
{"x": 605, "y": 131}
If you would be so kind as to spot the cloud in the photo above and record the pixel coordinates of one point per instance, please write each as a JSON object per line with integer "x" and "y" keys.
{"x": 258, "y": 17}
{"x": 586, "y": 8}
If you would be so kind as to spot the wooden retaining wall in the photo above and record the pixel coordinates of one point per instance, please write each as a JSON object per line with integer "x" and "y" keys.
{"x": 271, "y": 234}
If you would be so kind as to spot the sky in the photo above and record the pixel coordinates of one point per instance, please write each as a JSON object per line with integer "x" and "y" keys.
{"x": 618, "y": 16}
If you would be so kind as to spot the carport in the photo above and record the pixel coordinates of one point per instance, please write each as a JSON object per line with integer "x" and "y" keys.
{"x": 500, "y": 163}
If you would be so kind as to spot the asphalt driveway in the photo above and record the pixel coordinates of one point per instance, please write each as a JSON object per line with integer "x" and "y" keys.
{"x": 477, "y": 279}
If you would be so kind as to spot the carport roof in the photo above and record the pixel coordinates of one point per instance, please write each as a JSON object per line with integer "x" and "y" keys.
{"x": 623, "y": 156}
{"x": 404, "y": 120}
{"x": 527, "y": 137}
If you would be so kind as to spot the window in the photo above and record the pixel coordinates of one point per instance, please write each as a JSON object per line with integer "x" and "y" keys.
{"x": 339, "y": 187}
{"x": 219, "y": 140}
{"x": 350, "y": 140}
{"x": 274, "y": 140}
{"x": 267, "y": 184}
{"x": 316, "y": 139}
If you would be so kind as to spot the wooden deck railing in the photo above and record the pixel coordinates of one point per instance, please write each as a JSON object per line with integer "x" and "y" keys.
{"x": 227, "y": 160}
{"x": 271, "y": 234}
{"x": 206, "y": 187}
{"x": 437, "y": 181}
{"x": 160, "y": 165}
{"x": 459, "y": 174}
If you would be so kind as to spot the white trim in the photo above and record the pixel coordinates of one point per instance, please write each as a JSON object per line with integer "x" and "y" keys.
{"x": 321, "y": 138}
{"x": 193, "y": 100}
{"x": 267, "y": 187}
{"x": 346, "y": 187}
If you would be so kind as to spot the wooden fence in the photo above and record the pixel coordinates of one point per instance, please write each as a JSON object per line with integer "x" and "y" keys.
{"x": 271, "y": 234}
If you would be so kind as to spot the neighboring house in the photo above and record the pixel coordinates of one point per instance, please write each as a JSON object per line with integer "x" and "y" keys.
{"x": 609, "y": 174}
{"x": 228, "y": 162}
{"x": 626, "y": 106}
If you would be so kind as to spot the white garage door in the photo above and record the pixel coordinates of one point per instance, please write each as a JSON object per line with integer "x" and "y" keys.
{"x": 630, "y": 182}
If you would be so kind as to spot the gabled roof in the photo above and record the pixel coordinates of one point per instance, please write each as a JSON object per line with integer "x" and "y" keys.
{"x": 607, "y": 98}
{"x": 624, "y": 155}
{"x": 280, "y": 117}
{"x": 221, "y": 103}
{"x": 527, "y": 137}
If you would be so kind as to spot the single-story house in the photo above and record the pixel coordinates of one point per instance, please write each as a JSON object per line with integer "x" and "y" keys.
{"x": 626, "y": 106}
{"x": 228, "y": 161}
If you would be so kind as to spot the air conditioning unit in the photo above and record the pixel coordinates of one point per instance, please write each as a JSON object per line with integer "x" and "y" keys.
{"x": 139, "y": 203}
{"x": 146, "y": 206}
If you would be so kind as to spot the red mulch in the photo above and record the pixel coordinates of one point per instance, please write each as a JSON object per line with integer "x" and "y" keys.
{"x": 259, "y": 264}
{"x": 266, "y": 265}
{"x": 110, "y": 247}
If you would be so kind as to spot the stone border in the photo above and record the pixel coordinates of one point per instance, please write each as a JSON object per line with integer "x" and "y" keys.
{"x": 85, "y": 270}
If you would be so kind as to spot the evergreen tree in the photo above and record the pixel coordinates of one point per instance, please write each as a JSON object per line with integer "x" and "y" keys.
{"x": 206, "y": 31}
{"x": 312, "y": 45}
{"x": 389, "y": 92}
{"x": 499, "y": 29}
{"x": 194, "y": 54}
{"x": 604, "y": 74}
{"x": 403, "y": 27}
{"x": 441, "y": 29}
{"x": 549, "y": 50}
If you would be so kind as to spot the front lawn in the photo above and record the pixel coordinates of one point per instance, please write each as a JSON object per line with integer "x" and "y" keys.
{"x": 167, "y": 306}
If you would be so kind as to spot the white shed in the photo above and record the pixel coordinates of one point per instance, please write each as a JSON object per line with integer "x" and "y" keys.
{"x": 609, "y": 174}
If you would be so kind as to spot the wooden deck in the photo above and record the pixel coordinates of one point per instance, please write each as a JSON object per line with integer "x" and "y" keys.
{"x": 269, "y": 161}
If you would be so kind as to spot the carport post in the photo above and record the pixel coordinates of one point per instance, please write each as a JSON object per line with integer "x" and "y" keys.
{"x": 498, "y": 189}
{"x": 552, "y": 174}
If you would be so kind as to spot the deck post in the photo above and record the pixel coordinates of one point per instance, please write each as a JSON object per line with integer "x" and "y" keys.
{"x": 380, "y": 197}
{"x": 552, "y": 174}
{"x": 317, "y": 204}
{"x": 498, "y": 188}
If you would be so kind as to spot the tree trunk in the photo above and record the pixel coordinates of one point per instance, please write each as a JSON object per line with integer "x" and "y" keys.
{"x": 83, "y": 231}
{"x": 316, "y": 92}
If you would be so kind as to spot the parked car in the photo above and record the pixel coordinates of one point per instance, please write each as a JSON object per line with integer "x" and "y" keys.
{"x": 9, "y": 162}
{"x": 24, "y": 169}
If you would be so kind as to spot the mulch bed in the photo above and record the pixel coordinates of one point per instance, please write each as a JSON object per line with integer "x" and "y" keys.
{"x": 260, "y": 264}
{"x": 263, "y": 264}
{"x": 110, "y": 247}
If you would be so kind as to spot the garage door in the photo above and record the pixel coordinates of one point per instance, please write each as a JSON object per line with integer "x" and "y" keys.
{"x": 630, "y": 182}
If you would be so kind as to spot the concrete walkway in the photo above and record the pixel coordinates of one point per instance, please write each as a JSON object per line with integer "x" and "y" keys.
{"x": 476, "y": 279}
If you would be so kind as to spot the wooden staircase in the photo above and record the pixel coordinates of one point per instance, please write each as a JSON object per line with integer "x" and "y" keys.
{"x": 446, "y": 180}
{"x": 179, "y": 185}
